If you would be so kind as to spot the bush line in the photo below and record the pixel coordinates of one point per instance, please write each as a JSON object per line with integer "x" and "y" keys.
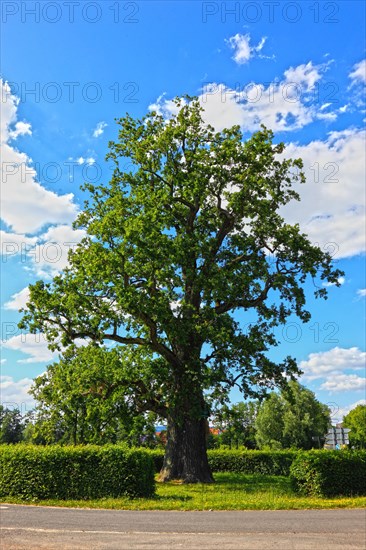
{"x": 81, "y": 472}
{"x": 275, "y": 463}
{"x": 329, "y": 473}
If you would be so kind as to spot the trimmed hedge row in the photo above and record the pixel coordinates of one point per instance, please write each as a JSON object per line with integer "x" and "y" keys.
{"x": 329, "y": 473}
{"x": 84, "y": 472}
{"x": 275, "y": 463}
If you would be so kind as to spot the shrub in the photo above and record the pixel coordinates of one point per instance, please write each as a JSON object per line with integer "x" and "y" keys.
{"x": 157, "y": 456}
{"x": 275, "y": 463}
{"x": 85, "y": 472}
{"x": 246, "y": 462}
{"x": 329, "y": 473}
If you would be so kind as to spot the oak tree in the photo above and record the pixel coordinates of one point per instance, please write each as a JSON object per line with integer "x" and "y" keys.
{"x": 178, "y": 242}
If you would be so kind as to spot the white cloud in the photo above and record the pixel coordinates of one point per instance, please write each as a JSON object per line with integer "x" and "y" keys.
{"x": 361, "y": 292}
{"x": 165, "y": 107}
{"x": 99, "y": 129}
{"x": 281, "y": 105}
{"x": 18, "y": 300}
{"x": 359, "y": 72}
{"x": 304, "y": 75}
{"x": 34, "y": 345}
{"x": 14, "y": 394}
{"x": 45, "y": 255}
{"x": 323, "y": 363}
{"x": 332, "y": 206}
{"x": 2, "y": 361}
{"x": 243, "y": 51}
{"x": 344, "y": 382}
{"x": 344, "y": 108}
{"x": 340, "y": 413}
{"x": 13, "y": 244}
{"x": 331, "y": 366}
{"x": 50, "y": 255}
{"x": 341, "y": 281}
{"x": 20, "y": 129}
{"x": 82, "y": 160}
{"x": 26, "y": 205}
{"x": 278, "y": 106}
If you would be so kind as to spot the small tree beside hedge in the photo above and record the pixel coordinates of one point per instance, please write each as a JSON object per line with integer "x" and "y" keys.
{"x": 87, "y": 472}
{"x": 329, "y": 473}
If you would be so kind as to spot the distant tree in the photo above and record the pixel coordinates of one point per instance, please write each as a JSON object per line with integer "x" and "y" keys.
{"x": 42, "y": 427}
{"x": 356, "y": 421}
{"x": 269, "y": 423}
{"x": 82, "y": 399}
{"x": 236, "y": 424}
{"x": 291, "y": 419}
{"x": 11, "y": 425}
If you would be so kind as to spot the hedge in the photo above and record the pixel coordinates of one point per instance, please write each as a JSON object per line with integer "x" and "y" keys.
{"x": 273, "y": 463}
{"x": 157, "y": 456}
{"x": 82, "y": 472}
{"x": 329, "y": 473}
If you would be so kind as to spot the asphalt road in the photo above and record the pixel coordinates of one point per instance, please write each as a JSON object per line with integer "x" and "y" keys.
{"x": 33, "y": 527}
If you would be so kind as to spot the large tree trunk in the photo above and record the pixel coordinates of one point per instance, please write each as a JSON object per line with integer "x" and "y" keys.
{"x": 186, "y": 451}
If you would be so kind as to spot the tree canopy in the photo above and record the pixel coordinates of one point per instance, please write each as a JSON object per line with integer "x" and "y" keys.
{"x": 11, "y": 425}
{"x": 175, "y": 247}
{"x": 356, "y": 421}
{"x": 236, "y": 424}
{"x": 84, "y": 398}
{"x": 293, "y": 418}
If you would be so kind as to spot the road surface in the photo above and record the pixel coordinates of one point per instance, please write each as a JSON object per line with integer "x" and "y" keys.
{"x": 34, "y": 527}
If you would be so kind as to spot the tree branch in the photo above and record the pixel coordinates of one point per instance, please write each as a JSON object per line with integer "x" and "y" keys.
{"x": 126, "y": 339}
{"x": 227, "y": 306}
{"x": 155, "y": 344}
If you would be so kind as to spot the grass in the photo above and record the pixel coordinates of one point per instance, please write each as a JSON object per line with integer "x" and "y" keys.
{"x": 230, "y": 492}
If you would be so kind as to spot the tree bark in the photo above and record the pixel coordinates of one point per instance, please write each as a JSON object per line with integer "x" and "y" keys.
{"x": 186, "y": 451}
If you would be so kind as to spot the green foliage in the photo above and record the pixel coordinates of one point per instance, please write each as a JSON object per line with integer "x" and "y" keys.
{"x": 356, "y": 421}
{"x": 291, "y": 419}
{"x": 275, "y": 463}
{"x": 230, "y": 491}
{"x": 174, "y": 247}
{"x": 157, "y": 456}
{"x": 191, "y": 224}
{"x": 35, "y": 472}
{"x": 329, "y": 473}
{"x": 269, "y": 422}
{"x": 236, "y": 425}
{"x": 83, "y": 399}
{"x": 11, "y": 425}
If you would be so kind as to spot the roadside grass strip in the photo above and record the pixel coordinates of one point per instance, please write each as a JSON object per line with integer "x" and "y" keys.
{"x": 230, "y": 492}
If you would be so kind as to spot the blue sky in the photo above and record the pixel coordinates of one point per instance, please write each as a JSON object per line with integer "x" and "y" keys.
{"x": 71, "y": 68}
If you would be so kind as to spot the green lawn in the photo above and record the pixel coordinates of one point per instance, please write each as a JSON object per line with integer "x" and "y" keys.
{"x": 230, "y": 492}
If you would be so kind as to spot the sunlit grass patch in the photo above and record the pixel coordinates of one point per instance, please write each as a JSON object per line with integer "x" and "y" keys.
{"x": 230, "y": 492}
